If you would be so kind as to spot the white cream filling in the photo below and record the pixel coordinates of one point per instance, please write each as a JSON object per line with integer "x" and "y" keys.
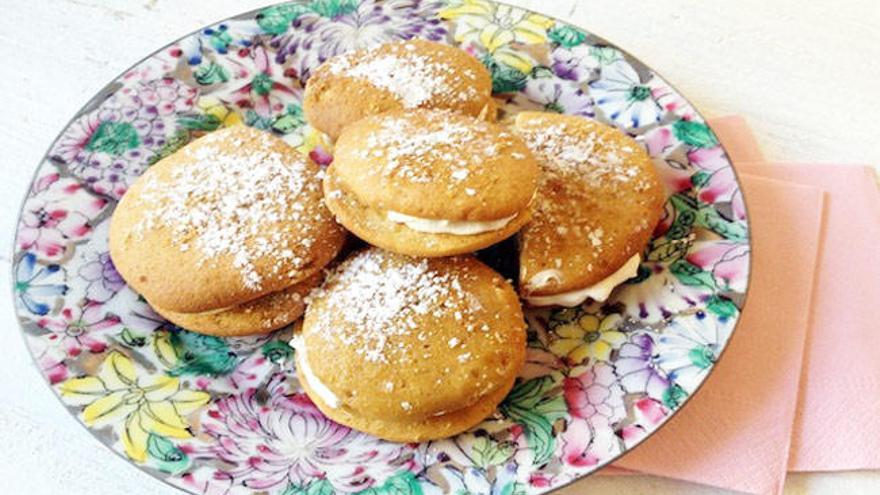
{"x": 454, "y": 227}
{"x": 543, "y": 278}
{"x": 598, "y": 292}
{"x": 306, "y": 373}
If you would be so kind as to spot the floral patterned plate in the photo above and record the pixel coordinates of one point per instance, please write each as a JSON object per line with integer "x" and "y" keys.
{"x": 214, "y": 415}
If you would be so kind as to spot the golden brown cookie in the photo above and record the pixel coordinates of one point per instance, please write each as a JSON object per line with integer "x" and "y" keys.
{"x": 598, "y": 202}
{"x": 395, "y": 76}
{"x": 410, "y": 349}
{"x": 231, "y": 217}
{"x": 258, "y": 316}
{"x": 430, "y": 183}
{"x": 414, "y": 430}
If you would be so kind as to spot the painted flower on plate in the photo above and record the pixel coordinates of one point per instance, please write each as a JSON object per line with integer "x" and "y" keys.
{"x": 581, "y": 63}
{"x": 587, "y": 336}
{"x": 471, "y": 480}
{"x": 212, "y": 106}
{"x": 584, "y": 445}
{"x": 647, "y": 414}
{"x": 103, "y": 281}
{"x": 595, "y": 395}
{"x": 717, "y": 182}
{"x": 50, "y": 360}
{"x": 136, "y": 403}
{"x": 111, "y": 146}
{"x": 670, "y": 155}
{"x": 624, "y": 98}
{"x": 58, "y": 216}
{"x": 258, "y": 88}
{"x": 496, "y": 27}
{"x": 727, "y": 261}
{"x": 76, "y": 329}
{"x": 322, "y": 29}
{"x": 38, "y": 287}
{"x": 221, "y": 39}
{"x": 560, "y": 96}
{"x": 286, "y": 441}
{"x": 657, "y": 293}
{"x": 670, "y": 100}
{"x": 637, "y": 367}
{"x": 689, "y": 346}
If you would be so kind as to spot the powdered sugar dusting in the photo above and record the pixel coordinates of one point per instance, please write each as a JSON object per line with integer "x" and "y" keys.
{"x": 380, "y": 296}
{"x": 589, "y": 157}
{"x": 222, "y": 199}
{"x": 409, "y": 149}
{"x": 412, "y": 77}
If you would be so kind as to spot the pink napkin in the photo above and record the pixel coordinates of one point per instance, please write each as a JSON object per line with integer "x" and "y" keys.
{"x": 837, "y": 426}
{"x": 739, "y": 142}
{"x": 735, "y": 433}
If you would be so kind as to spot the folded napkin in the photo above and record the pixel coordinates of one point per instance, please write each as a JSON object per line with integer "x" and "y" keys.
{"x": 735, "y": 432}
{"x": 835, "y": 424}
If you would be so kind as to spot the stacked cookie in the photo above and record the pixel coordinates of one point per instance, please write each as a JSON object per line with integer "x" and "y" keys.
{"x": 410, "y": 337}
{"x": 228, "y": 235}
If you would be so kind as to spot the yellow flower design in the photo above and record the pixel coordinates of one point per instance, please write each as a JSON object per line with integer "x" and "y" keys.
{"x": 136, "y": 405}
{"x": 588, "y": 337}
{"x": 313, "y": 138}
{"x": 214, "y": 107}
{"x": 496, "y": 26}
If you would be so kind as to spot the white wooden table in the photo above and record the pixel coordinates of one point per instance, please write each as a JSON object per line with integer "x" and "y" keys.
{"x": 805, "y": 74}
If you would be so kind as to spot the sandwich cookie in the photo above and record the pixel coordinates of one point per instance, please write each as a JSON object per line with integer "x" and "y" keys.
{"x": 598, "y": 202}
{"x": 231, "y": 218}
{"x": 410, "y": 349}
{"x": 395, "y": 76}
{"x": 430, "y": 183}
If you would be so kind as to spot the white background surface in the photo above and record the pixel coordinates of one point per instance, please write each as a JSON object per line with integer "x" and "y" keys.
{"x": 805, "y": 74}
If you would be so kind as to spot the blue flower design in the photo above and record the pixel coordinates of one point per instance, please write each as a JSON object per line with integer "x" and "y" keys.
{"x": 690, "y": 345}
{"x": 624, "y": 98}
{"x": 473, "y": 480}
{"x": 36, "y": 286}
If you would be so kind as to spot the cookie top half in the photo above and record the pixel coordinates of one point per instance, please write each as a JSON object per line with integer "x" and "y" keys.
{"x": 393, "y": 76}
{"x": 230, "y": 217}
{"x": 393, "y": 336}
{"x": 435, "y": 165}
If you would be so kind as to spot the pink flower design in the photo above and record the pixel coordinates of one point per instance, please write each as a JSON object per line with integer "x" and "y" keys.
{"x": 670, "y": 100}
{"x": 595, "y": 395}
{"x": 675, "y": 171}
{"x": 261, "y": 89}
{"x": 57, "y": 216}
{"x": 727, "y": 261}
{"x": 583, "y": 445}
{"x": 76, "y": 329}
{"x": 50, "y": 361}
{"x": 576, "y": 442}
{"x": 111, "y": 146}
{"x": 721, "y": 185}
{"x": 649, "y": 413}
{"x": 287, "y": 440}
{"x": 155, "y": 67}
